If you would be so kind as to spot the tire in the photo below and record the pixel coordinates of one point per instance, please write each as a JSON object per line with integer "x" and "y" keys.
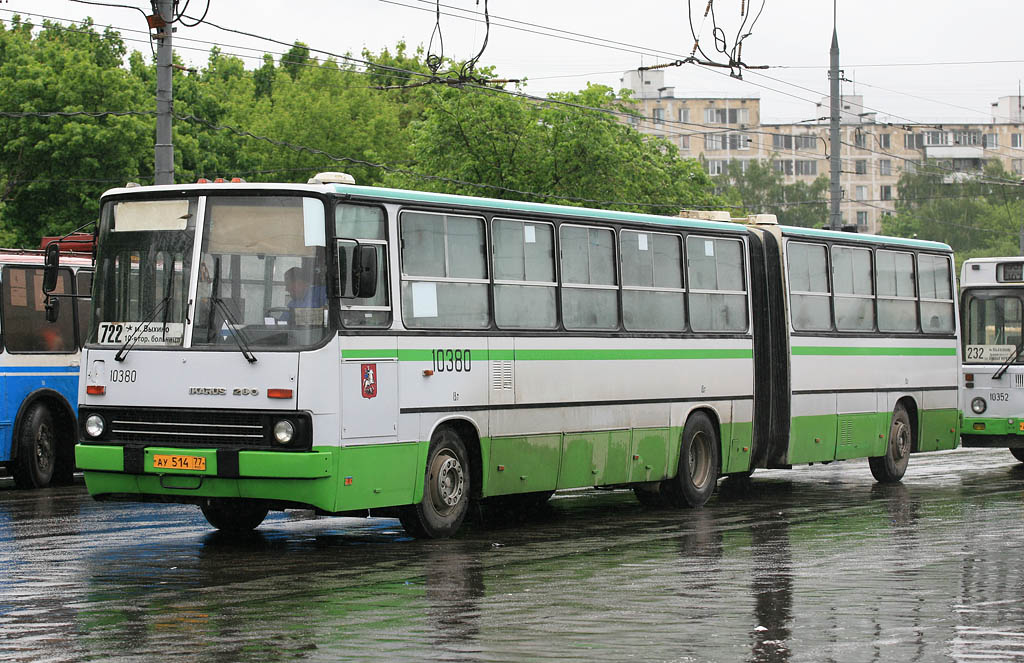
{"x": 37, "y": 448}
{"x": 1018, "y": 453}
{"x": 446, "y": 489}
{"x": 891, "y": 467}
{"x": 699, "y": 465}
{"x": 234, "y": 515}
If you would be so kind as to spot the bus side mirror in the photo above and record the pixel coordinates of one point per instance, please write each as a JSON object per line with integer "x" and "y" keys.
{"x": 52, "y": 309}
{"x": 51, "y": 262}
{"x": 364, "y": 271}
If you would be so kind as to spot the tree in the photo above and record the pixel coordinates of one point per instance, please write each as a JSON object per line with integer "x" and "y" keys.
{"x": 977, "y": 215}
{"x": 757, "y": 188}
{"x": 570, "y": 149}
{"x": 53, "y": 168}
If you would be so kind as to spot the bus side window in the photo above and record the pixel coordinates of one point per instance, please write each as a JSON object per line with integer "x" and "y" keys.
{"x": 590, "y": 297}
{"x": 936, "y": 294}
{"x": 25, "y": 327}
{"x": 717, "y": 292}
{"x": 368, "y": 225}
{"x": 809, "y": 287}
{"x": 897, "y": 300}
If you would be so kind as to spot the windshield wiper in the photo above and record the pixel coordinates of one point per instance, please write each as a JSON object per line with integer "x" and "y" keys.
{"x": 136, "y": 334}
{"x": 236, "y": 331}
{"x": 1009, "y": 360}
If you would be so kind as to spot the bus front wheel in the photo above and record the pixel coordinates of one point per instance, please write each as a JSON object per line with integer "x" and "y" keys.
{"x": 891, "y": 467}
{"x": 233, "y": 515}
{"x": 37, "y": 448}
{"x": 1018, "y": 453}
{"x": 695, "y": 481}
{"x": 446, "y": 489}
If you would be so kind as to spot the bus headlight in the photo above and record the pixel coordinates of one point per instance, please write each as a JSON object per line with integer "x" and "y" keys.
{"x": 94, "y": 425}
{"x": 979, "y": 405}
{"x": 284, "y": 431}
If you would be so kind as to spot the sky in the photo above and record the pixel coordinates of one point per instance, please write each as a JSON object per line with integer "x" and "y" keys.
{"x": 934, "y": 61}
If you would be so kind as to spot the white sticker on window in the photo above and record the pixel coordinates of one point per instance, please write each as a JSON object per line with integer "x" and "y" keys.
{"x": 424, "y": 299}
{"x": 529, "y": 234}
{"x": 709, "y": 247}
{"x": 641, "y": 240}
{"x": 313, "y": 228}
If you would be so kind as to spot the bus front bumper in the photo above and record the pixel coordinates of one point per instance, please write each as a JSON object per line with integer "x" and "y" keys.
{"x": 188, "y": 474}
{"x": 992, "y": 432}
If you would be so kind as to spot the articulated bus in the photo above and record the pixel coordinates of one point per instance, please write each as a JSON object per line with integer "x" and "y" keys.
{"x": 39, "y": 368}
{"x": 992, "y": 311}
{"x": 362, "y": 350}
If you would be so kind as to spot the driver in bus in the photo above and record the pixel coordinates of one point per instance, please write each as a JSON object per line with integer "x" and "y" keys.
{"x": 302, "y": 295}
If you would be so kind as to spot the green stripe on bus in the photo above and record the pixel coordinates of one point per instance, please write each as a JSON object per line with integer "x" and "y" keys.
{"x": 874, "y": 352}
{"x": 560, "y": 355}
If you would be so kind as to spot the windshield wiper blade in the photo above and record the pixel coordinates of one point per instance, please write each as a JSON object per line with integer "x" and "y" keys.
{"x": 1009, "y": 360}
{"x": 236, "y": 331}
{"x": 136, "y": 334}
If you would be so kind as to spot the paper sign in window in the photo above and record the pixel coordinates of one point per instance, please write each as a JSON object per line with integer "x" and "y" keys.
{"x": 424, "y": 300}
{"x": 709, "y": 247}
{"x": 529, "y": 235}
{"x": 641, "y": 242}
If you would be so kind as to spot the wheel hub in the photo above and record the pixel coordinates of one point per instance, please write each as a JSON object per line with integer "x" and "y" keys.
{"x": 449, "y": 481}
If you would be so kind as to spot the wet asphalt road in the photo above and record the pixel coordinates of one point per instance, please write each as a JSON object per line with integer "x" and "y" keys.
{"x": 814, "y": 564}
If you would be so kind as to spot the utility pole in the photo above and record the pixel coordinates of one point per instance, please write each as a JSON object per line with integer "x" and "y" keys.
{"x": 164, "y": 151}
{"x": 835, "y": 217}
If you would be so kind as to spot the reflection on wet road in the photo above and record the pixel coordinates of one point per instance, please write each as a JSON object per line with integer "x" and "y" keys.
{"x": 814, "y": 564}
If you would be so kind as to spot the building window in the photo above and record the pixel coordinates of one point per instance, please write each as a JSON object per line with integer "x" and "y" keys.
{"x": 784, "y": 166}
{"x": 659, "y": 115}
{"x": 1015, "y": 140}
{"x": 913, "y": 141}
{"x": 991, "y": 141}
{"x": 806, "y": 167}
{"x": 1018, "y": 166}
{"x": 738, "y": 141}
{"x": 861, "y": 192}
{"x": 684, "y": 142}
{"x": 862, "y": 219}
{"x": 860, "y": 139}
{"x": 884, "y": 167}
{"x": 806, "y": 142}
{"x": 782, "y": 142}
{"x": 964, "y": 137}
{"x": 885, "y": 192}
{"x": 860, "y": 166}
{"x": 883, "y": 141}
{"x": 714, "y": 142}
{"x": 684, "y": 114}
{"x": 936, "y": 138}
{"x": 717, "y": 166}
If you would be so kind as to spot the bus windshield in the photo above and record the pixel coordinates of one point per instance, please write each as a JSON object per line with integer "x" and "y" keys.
{"x": 993, "y": 326}
{"x": 261, "y": 273}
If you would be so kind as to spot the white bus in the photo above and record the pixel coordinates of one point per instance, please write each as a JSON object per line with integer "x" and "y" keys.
{"x": 992, "y": 308}
{"x": 361, "y": 350}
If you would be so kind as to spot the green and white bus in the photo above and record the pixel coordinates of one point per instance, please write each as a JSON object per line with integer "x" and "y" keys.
{"x": 362, "y": 350}
{"x": 992, "y": 308}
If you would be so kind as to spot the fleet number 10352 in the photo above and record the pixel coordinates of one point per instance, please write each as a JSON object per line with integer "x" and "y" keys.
{"x": 455, "y": 361}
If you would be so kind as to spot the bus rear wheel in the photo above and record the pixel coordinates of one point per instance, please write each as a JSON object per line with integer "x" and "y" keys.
{"x": 446, "y": 489}
{"x": 697, "y": 476}
{"x": 891, "y": 467}
{"x": 37, "y": 448}
{"x": 1018, "y": 453}
{"x": 233, "y": 515}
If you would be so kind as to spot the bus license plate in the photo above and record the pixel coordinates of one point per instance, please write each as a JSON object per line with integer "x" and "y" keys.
{"x": 176, "y": 462}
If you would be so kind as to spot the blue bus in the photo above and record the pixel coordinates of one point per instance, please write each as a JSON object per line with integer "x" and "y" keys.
{"x": 39, "y": 364}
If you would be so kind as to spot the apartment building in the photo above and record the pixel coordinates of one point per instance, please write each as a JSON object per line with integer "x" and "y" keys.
{"x": 873, "y": 154}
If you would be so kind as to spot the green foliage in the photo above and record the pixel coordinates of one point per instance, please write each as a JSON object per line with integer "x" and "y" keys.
{"x": 570, "y": 154}
{"x": 976, "y": 215}
{"x": 760, "y": 190}
{"x": 53, "y": 168}
{"x": 284, "y": 120}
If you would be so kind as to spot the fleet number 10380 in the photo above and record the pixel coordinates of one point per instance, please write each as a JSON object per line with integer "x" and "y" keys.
{"x": 455, "y": 361}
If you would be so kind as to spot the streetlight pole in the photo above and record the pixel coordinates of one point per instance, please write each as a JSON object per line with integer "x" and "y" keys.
{"x": 835, "y": 218}
{"x": 164, "y": 150}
